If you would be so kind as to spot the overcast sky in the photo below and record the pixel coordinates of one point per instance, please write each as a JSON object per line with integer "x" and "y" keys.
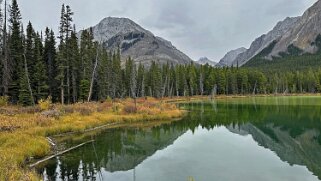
{"x": 197, "y": 27}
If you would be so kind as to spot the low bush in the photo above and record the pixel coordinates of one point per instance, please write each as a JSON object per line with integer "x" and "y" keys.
{"x": 4, "y": 101}
{"x": 130, "y": 109}
{"x": 45, "y": 104}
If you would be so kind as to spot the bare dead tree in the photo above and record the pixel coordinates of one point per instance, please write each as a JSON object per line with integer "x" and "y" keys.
{"x": 28, "y": 79}
{"x": 133, "y": 85}
{"x": 254, "y": 89}
{"x": 93, "y": 76}
{"x": 143, "y": 87}
{"x": 171, "y": 90}
{"x": 62, "y": 91}
{"x": 74, "y": 88}
{"x": 214, "y": 92}
{"x": 201, "y": 82}
{"x": 6, "y": 68}
{"x": 164, "y": 87}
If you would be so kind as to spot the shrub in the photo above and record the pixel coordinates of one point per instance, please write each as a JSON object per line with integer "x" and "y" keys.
{"x": 130, "y": 108}
{"x": 117, "y": 107}
{"x": 45, "y": 104}
{"x": 84, "y": 110}
{"x": 4, "y": 101}
{"x": 109, "y": 100}
{"x": 105, "y": 106}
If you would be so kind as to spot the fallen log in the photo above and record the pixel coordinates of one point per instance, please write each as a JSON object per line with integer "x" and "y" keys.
{"x": 60, "y": 153}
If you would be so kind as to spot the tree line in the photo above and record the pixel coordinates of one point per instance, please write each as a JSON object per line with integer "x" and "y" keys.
{"x": 37, "y": 65}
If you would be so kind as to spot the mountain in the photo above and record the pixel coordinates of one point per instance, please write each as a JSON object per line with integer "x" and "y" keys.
{"x": 303, "y": 33}
{"x": 205, "y": 60}
{"x": 138, "y": 43}
{"x": 295, "y": 35}
{"x": 265, "y": 40}
{"x": 229, "y": 58}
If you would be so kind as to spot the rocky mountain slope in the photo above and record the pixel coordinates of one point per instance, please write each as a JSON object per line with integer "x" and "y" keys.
{"x": 205, "y": 60}
{"x": 303, "y": 33}
{"x": 265, "y": 40}
{"x": 229, "y": 58}
{"x": 299, "y": 32}
{"x": 136, "y": 42}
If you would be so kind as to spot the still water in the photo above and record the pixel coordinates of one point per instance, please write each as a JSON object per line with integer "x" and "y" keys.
{"x": 248, "y": 139}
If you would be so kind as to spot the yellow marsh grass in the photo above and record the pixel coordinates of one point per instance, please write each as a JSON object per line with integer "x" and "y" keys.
{"x": 23, "y": 131}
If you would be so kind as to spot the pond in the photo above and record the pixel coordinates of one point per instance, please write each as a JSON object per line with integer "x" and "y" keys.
{"x": 250, "y": 139}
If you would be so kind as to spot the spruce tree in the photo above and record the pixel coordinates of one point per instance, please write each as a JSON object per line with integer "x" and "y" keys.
{"x": 15, "y": 50}
{"x": 103, "y": 75}
{"x": 116, "y": 75}
{"x": 68, "y": 30}
{"x": 1, "y": 52}
{"x": 74, "y": 63}
{"x": 60, "y": 57}
{"x": 141, "y": 78}
{"x": 87, "y": 57}
{"x": 40, "y": 72}
{"x": 49, "y": 56}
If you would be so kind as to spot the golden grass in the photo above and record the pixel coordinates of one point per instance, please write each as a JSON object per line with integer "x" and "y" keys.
{"x": 23, "y": 131}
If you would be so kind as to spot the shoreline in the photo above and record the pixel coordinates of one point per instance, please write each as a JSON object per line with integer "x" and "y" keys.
{"x": 26, "y": 140}
{"x": 25, "y": 131}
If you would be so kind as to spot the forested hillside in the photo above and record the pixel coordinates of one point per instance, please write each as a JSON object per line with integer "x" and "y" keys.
{"x": 36, "y": 65}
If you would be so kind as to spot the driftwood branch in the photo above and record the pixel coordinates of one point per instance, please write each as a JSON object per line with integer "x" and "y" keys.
{"x": 60, "y": 153}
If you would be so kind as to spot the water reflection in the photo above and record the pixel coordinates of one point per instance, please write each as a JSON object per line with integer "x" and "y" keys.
{"x": 290, "y": 127}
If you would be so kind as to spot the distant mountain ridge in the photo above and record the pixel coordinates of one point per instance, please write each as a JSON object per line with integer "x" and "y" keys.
{"x": 138, "y": 43}
{"x": 205, "y": 60}
{"x": 229, "y": 58}
{"x": 265, "y": 40}
{"x": 304, "y": 32}
{"x": 299, "y": 32}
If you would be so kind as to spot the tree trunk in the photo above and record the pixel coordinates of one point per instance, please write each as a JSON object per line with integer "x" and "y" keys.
{"x": 143, "y": 87}
{"x": 74, "y": 87}
{"x": 28, "y": 80}
{"x": 6, "y": 70}
{"x": 93, "y": 78}
{"x": 201, "y": 84}
{"x": 62, "y": 91}
{"x": 68, "y": 84}
{"x": 164, "y": 87}
{"x": 254, "y": 89}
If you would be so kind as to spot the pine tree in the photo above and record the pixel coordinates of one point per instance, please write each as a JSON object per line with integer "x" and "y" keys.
{"x": 116, "y": 75}
{"x": 16, "y": 51}
{"x": 192, "y": 84}
{"x": 68, "y": 30}
{"x": 74, "y": 63}
{"x": 103, "y": 75}
{"x": 127, "y": 78}
{"x": 49, "y": 56}
{"x": 40, "y": 72}
{"x": 141, "y": 80}
{"x": 1, "y": 52}
{"x": 155, "y": 80}
{"x": 6, "y": 66}
{"x": 61, "y": 61}
{"x": 88, "y": 54}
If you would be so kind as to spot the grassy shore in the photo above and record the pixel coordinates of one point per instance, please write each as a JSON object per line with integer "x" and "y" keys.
{"x": 24, "y": 130}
